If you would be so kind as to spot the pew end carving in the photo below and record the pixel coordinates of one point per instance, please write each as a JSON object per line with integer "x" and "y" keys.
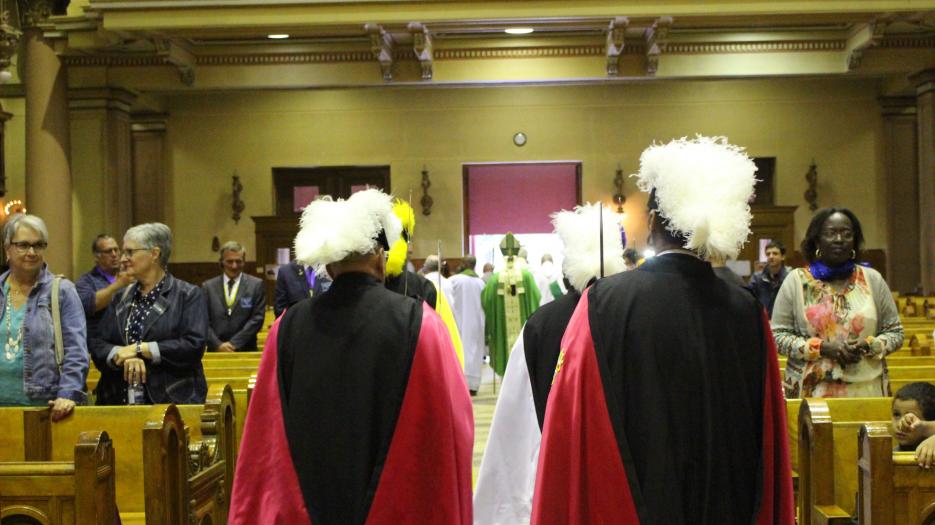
{"x": 82, "y": 492}
{"x": 893, "y": 489}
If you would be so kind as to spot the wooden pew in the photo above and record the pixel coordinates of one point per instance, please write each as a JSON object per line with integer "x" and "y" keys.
{"x": 827, "y": 450}
{"x": 149, "y": 441}
{"x": 233, "y": 375}
{"x": 79, "y": 492}
{"x": 893, "y": 490}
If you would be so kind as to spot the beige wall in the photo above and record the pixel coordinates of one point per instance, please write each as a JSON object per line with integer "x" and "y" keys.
{"x": 836, "y": 122}
{"x": 14, "y": 138}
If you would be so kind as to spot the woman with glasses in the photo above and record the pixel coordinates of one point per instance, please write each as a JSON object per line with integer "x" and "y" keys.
{"x": 835, "y": 319}
{"x": 152, "y": 337}
{"x": 31, "y": 372}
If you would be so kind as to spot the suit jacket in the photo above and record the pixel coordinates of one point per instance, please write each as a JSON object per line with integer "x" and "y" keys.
{"x": 177, "y": 325}
{"x": 246, "y": 316}
{"x": 292, "y": 286}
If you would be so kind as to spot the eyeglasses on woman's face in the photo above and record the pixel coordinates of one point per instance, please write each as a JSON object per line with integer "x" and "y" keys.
{"x": 23, "y": 247}
{"x": 128, "y": 252}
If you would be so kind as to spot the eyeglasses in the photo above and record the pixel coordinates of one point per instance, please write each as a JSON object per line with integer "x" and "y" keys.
{"x": 22, "y": 247}
{"x": 109, "y": 251}
{"x": 847, "y": 235}
{"x": 128, "y": 252}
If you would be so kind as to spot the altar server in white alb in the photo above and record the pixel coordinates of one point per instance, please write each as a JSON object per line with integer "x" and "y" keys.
{"x": 504, "y": 491}
{"x": 466, "y": 289}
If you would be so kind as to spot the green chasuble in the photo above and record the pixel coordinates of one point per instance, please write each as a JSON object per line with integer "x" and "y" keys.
{"x": 509, "y": 298}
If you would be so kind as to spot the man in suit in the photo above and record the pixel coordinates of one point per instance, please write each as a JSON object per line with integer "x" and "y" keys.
{"x": 295, "y": 282}
{"x": 236, "y": 304}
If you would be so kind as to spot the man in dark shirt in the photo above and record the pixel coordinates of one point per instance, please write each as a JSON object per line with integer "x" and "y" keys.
{"x": 765, "y": 284}
{"x": 98, "y": 287}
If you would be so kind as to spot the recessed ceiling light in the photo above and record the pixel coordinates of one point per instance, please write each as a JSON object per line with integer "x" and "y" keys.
{"x": 518, "y": 30}
{"x": 279, "y": 36}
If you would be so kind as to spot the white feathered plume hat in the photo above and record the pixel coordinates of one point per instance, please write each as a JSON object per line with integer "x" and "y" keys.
{"x": 702, "y": 188}
{"x": 579, "y": 230}
{"x": 330, "y": 230}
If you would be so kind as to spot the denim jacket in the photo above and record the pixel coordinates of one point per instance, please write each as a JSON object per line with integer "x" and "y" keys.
{"x": 175, "y": 330}
{"x": 40, "y": 371}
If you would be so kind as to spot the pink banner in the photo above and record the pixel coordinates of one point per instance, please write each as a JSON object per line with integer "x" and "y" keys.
{"x": 519, "y": 197}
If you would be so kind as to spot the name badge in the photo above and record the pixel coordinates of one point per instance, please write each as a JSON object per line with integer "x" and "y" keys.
{"x": 246, "y": 302}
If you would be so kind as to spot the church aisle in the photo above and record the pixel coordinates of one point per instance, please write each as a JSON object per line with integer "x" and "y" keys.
{"x": 484, "y": 403}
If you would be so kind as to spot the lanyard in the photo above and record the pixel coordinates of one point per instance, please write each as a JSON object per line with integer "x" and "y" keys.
{"x": 229, "y": 295}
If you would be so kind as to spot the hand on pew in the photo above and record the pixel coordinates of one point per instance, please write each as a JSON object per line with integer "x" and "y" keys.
{"x": 61, "y": 408}
{"x": 226, "y": 347}
{"x": 925, "y": 453}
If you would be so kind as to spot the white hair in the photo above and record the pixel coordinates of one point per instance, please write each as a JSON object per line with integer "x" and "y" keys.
{"x": 153, "y": 235}
{"x": 20, "y": 220}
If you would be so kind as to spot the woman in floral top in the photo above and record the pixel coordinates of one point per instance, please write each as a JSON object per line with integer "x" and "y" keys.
{"x": 836, "y": 320}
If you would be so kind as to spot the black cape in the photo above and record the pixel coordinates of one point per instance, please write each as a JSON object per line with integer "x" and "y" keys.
{"x": 412, "y": 285}
{"x": 665, "y": 406}
{"x": 360, "y": 414}
{"x": 542, "y": 342}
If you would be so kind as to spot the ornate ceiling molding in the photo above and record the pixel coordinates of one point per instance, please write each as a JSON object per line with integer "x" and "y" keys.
{"x": 691, "y": 48}
{"x": 907, "y": 42}
{"x": 522, "y": 52}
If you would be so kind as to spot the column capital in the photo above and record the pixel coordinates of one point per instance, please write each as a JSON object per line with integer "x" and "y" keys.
{"x": 897, "y": 106}
{"x": 101, "y": 98}
{"x": 35, "y": 12}
{"x": 148, "y": 122}
{"x": 924, "y": 81}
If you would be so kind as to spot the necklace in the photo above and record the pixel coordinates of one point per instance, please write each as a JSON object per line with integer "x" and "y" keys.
{"x": 14, "y": 342}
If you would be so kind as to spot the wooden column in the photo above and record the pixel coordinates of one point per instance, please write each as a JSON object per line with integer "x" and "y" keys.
{"x": 101, "y": 166}
{"x": 925, "y": 107}
{"x": 150, "y": 182}
{"x": 901, "y": 184}
{"x": 48, "y": 174}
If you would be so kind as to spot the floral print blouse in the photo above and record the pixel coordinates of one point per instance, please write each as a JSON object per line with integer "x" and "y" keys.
{"x": 859, "y": 308}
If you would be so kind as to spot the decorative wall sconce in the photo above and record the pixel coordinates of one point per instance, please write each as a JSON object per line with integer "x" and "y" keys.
{"x": 426, "y": 200}
{"x": 811, "y": 194}
{"x": 14, "y": 206}
{"x": 619, "y": 197}
{"x": 237, "y": 206}
{"x": 215, "y": 244}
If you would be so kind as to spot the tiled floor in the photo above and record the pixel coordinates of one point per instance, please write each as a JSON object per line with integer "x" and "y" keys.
{"x": 484, "y": 404}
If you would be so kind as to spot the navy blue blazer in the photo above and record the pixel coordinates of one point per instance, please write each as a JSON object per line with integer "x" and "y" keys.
{"x": 178, "y": 324}
{"x": 292, "y": 286}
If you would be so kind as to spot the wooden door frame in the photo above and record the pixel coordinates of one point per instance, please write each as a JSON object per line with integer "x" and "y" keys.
{"x": 465, "y": 170}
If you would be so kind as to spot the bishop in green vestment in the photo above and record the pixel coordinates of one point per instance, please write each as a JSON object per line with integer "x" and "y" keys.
{"x": 510, "y": 297}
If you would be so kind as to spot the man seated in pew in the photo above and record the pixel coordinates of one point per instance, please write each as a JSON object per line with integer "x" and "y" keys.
{"x": 835, "y": 319}
{"x": 35, "y": 368}
{"x": 360, "y": 411}
{"x": 98, "y": 287}
{"x": 914, "y": 421}
{"x": 236, "y": 303}
{"x": 152, "y": 338}
{"x": 653, "y": 358}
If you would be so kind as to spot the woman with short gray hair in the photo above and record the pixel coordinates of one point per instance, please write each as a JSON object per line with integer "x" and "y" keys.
{"x": 152, "y": 338}
{"x": 32, "y": 371}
